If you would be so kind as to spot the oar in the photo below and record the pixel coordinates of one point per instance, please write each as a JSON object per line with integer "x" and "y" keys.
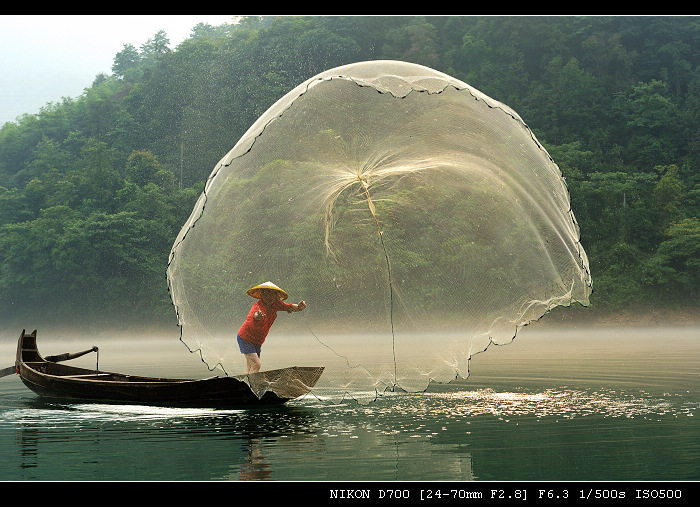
{"x": 69, "y": 355}
{"x": 54, "y": 359}
{"x": 8, "y": 371}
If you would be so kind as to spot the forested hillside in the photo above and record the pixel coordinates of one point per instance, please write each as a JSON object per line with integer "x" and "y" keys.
{"x": 94, "y": 189}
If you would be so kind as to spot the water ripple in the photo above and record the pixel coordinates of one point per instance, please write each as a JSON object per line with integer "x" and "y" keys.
{"x": 562, "y": 403}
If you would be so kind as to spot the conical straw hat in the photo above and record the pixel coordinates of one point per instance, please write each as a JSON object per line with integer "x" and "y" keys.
{"x": 255, "y": 291}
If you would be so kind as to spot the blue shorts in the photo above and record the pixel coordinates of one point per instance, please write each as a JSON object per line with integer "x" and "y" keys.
{"x": 248, "y": 348}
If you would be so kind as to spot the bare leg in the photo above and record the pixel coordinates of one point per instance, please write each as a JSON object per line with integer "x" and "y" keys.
{"x": 252, "y": 363}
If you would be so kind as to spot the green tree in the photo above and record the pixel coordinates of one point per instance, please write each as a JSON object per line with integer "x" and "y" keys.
{"x": 650, "y": 119}
{"x": 112, "y": 262}
{"x": 96, "y": 179}
{"x": 124, "y": 61}
{"x": 30, "y": 284}
{"x": 669, "y": 195}
{"x": 416, "y": 41}
{"x": 154, "y": 48}
{"x": 143, "y": 168}
{"x": 319, "y": 49}
{"x": 13, "y": 206}
{"x": 674, "y": 271}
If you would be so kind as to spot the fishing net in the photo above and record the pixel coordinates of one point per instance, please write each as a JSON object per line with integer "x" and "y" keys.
{"x": 419, "y": 219}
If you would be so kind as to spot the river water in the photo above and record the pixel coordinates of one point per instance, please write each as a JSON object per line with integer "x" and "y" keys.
{"x": 575, "y": 404}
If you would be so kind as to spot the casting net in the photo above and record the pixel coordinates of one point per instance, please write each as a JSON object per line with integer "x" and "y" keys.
{"x": 419, "y": 219}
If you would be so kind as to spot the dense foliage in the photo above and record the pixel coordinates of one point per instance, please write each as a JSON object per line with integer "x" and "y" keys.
{"x": 93, "y": 190}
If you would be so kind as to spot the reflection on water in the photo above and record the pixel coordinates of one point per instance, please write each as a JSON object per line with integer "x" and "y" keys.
{"x": 563, "y": 403}
{"x": 548, "y": 407}
{"x": 447, "y": 435}
{"x": 130, "y": 442}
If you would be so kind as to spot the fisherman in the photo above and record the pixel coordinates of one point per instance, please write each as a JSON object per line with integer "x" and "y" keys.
{"x": 262, "y": 314}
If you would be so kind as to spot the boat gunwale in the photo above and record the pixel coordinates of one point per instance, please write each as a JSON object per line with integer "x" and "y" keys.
{"x": 120, "y": 378}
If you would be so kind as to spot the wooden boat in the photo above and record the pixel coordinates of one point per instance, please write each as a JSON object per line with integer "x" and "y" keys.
{"x": 46, "y": 377}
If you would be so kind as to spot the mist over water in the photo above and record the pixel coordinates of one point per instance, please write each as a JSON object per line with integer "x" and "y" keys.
{"x": 573, "y": 404}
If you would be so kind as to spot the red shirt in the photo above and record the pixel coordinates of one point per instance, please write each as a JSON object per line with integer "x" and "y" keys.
{"x": 254, "y": 331}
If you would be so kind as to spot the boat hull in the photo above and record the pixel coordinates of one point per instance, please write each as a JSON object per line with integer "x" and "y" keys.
{"x": 54, "y": 380}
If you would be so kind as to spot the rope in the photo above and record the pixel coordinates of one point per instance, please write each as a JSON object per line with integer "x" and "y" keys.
{"x": 388, "y": 269}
